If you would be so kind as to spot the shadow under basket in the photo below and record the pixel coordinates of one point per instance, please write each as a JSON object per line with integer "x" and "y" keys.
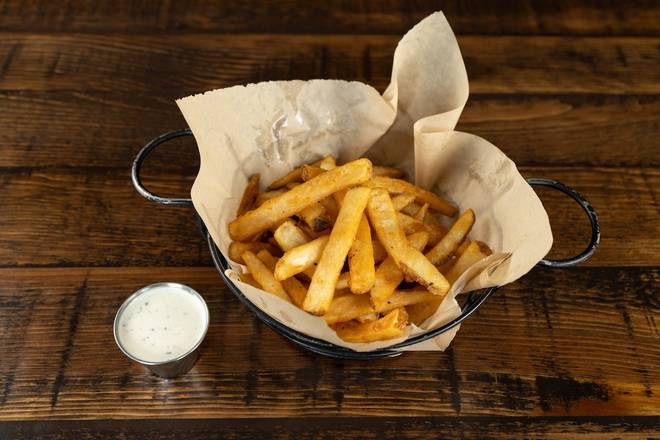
{"x": 473, "y": 300}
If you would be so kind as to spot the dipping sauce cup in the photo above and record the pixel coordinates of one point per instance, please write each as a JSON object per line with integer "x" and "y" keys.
{"x": 162, "y": 327}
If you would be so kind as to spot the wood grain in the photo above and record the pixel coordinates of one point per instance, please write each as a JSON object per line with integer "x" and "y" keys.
{"x": 105, "y": 129}
{"x": 522, "y": 354}
{"x": 176, "y": 65}
{"x": 354, "y": 17}
{"x": 93, "y": 217}
{"x": 374, "y": 428}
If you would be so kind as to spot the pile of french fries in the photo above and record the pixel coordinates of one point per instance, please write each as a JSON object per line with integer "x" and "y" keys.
{"x": 354, "y": 243}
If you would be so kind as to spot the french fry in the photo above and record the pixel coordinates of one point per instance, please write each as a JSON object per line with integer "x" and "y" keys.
{"x": 316, "y": 216}
{"x": 293, "y": 176}
{"x": 264, "y": 276}
{"x": 420, "y": 215}
{"x": 475, "y": 252}
{"x": 331, "y": 208}
{"x": 454, "y": 237}
{"x": 249, "y": 279}
{"x": 397, "y": 186}
{"x": 249, "y": 195}
{"x": 339, "y": 197}
{"x": 388, "y": 171}
{"x": 327, "y": 163}
{"x": 300, "y": 258}
{"x": 390, "y": 326}
{"x": 288, "y": 236}
{"x": 401, "y": 201}
{"x": 389, "y": 275}
{"x": 383, "y": 219}
{"x": 368, "y": 317}
{"x": 274, "y": 210}
{"x": 292, "y": 185}
{"x": 236, "y": 249}
{"x": 310, "y": 171}
{"x": 294, "y": 288}
{"x": 379, "y": 251}
{"x": 361, "y": 260}
{"x": 346, "y": 307}
{"x": 411, "y": 225}
{"x": 262, "y": 197}
{"x": 322, "y": 287}
{"x": 342, "y": 281}
{"x": 410, "y": 209}
{"x": 418, "y": 313}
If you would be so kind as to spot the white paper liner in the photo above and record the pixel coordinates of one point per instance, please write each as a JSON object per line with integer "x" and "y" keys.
{"x": 272, "y": 127}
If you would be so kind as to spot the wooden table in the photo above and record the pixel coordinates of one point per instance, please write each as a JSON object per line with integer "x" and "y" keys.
{"x": 569, "y": 90}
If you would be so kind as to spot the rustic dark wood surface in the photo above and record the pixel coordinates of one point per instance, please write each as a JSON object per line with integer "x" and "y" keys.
{"x": 569, "y": 89}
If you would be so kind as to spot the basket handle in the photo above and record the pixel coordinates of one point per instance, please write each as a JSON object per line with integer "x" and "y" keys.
{"x": 593, "y": 219}
{"x": 142, "y": 155}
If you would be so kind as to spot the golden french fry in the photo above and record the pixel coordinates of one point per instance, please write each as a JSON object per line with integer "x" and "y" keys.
{"x": 410, "y": 209}
{"x": 288, "y": 235}
{"x": 383, "y": 219}
{"x": 339, "y": 197}
{"x": 236, "y": 249}
{"x": 475, "y": 252}
{"x": 300, "y": 258}
{"x": 328, "y": 163}
{"x": 379, "y": 251}
{"x": 316, "y": 216}
{"x": 249, "y": 279}
{"x": 397, "y": 186}
{"x": 361, "y": 260}
{"x": 454, "y": 237}
{"x": 346, "y": 307}
{"x": 401, "y": 201}
{"x": 249, "y": 195}
{"x": 389, "y": 275}
{"x": 471, "y": 253}
{"x": 342, "y": 281}
{"x": 411, "y": 225}
{"x": 390, "y": 326}
{"x": 294, "y": 288}
{"x": 296, "y": 199}
{"x": 331, "y": 208}
{"x": 310, "y": 171}
{"x": 262, "y": 197}
{"x": 388, "y": 171}
{"x": 420, "y": 312}
{"x": 322, "y": 287}
{"x": 420, "y": 215}
{"x": 368, "y": 317}
{"x": 293, "y": 176}
{"x": 264, "y": 276}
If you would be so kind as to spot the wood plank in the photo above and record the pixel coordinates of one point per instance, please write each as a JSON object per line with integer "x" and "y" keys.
{"x": 93, "y": 217}
{"x": 532, "y": 129}
{"x": 580, "y": 342}
{"x": 381, "y": 16}
{"x": 341, "y": 427}
{"x": 171, "y": 66}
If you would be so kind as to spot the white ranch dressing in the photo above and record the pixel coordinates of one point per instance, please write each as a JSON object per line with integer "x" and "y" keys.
{"x": 162, "y": 324}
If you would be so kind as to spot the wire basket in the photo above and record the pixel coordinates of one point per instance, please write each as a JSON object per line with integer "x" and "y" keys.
{"x": 472, "y": 302}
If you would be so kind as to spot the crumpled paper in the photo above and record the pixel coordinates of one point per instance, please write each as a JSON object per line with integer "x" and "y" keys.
{"x": 272, "y": 127}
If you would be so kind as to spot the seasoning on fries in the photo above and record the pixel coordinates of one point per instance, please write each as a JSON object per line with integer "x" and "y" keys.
{"x": 345, "y": 241}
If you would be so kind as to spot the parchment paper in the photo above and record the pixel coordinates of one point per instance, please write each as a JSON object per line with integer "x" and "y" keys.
{"x": 273, "y": 127}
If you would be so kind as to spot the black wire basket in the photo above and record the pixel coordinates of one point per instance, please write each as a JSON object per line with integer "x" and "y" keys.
{"x": 472, "y": 302}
